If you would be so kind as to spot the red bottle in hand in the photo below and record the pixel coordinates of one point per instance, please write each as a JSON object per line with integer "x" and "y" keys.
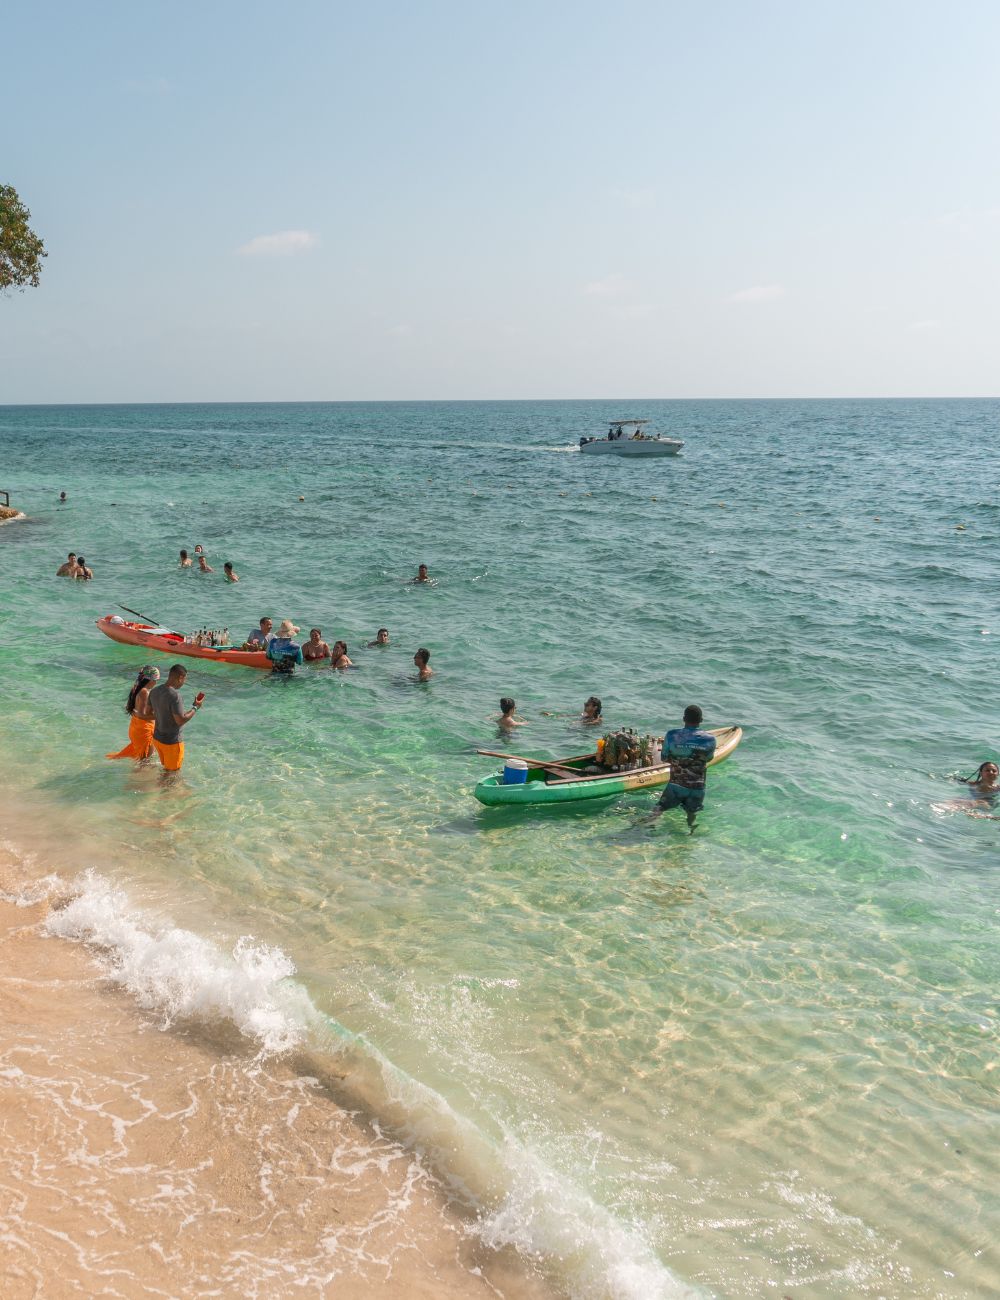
{"x": 199, "y": 697}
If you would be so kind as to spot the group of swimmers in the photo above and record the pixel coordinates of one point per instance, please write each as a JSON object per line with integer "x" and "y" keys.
{"x": 203, "y": 565}
{"x": 75, "y": 567}
{"x": 286, "y": 653}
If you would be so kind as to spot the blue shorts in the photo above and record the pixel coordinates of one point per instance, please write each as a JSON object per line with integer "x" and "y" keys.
{"x": 682, "y": 796}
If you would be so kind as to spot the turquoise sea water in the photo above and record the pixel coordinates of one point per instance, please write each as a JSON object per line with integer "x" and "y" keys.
{"x": 755, "y": 1061}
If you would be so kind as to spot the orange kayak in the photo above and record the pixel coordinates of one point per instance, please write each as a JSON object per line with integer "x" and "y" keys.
{"x": 173, "y": 643}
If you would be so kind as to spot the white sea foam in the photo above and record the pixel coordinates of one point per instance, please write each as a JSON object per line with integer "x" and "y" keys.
{"x": 180, "y": 975}
{"x": 517, "y": 1199}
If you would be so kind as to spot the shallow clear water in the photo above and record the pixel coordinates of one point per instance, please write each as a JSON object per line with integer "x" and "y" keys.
{"x": 756, "y": 1058}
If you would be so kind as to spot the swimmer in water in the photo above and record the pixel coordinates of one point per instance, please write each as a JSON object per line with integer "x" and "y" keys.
{"x": 422, "y": 574}
{"x": 984, "y": 785}
{"x": 424, "y": 671}
{"x": 591, "y": 714}
{"x": 506, "y": 720}
{"x": 985, "y": 780}
{"x": 339, "y": 657}
{"x": 381, "y": 637}
{"x": 203, "y": 565}
{"x": 315, "y": 647}
{"x": 230, "y": 575}
{"x": 185, "y": 561}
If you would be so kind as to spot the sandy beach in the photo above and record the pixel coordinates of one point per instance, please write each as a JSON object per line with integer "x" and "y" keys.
{"x": 138, "y": 1161}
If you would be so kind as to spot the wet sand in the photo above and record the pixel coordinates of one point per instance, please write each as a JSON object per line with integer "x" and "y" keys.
{"x": 138, "y": 1161}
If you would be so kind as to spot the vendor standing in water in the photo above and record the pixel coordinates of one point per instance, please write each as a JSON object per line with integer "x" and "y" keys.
{"x": 283, "y": 651}
{"x": 688, "y": 750}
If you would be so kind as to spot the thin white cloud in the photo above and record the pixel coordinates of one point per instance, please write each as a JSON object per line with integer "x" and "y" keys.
{"x": 286, "y": 243}
{"x": 612, "y": 286}
{"x": 758, "y": 293}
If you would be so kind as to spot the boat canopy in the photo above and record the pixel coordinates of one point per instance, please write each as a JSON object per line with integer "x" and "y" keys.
{"x": 617, "y": 424}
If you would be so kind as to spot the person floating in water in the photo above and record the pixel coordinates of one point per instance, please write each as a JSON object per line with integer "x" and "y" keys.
{"x": 141, "y": 717}
{"x": 203, "y": 565}
{"x": 315, "y": 648}
{"x": 227, "y": 569}
{"x": 82, "y": 573}
{"x": 283, "y": 650}
{"x": 422, "y": 574}
{"x": 591, "y": 714}
{"x": 424, "y": 671}
{"x": 381, "y": 637}
{"x": 688, "y": 750}
{"x": 68, "y": 570}
{"x": 185, "y": 561}
{"x": 506, "y": 720}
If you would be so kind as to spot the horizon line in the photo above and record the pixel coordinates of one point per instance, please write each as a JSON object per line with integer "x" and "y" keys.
{"x": 474, "y": 401}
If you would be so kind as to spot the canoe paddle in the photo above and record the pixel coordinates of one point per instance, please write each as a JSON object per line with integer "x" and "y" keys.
{"x": 153, "y": 622}
{"x": 545, "y": 765}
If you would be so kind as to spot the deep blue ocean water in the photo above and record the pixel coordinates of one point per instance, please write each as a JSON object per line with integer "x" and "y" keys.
{"x": 751, "y": 1060}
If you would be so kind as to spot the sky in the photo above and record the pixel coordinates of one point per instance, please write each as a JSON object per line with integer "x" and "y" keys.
{"x": 438, "y": 200}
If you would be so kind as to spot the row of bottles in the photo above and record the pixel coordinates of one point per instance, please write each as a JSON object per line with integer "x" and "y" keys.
{"x": 210, "y": 637}
{"x": 626, "y": 750}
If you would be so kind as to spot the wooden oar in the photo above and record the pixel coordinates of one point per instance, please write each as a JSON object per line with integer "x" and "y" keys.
{"x": 554, "y": 765}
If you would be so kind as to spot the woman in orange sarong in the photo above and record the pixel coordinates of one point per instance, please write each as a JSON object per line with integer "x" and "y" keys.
{"x": 140, "y": 728}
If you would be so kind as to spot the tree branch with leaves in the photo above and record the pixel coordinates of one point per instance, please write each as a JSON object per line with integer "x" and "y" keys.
{"x": 21, "y": 251}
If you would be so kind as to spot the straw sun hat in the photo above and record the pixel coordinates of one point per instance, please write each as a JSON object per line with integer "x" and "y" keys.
{"x": 287, "y": 628}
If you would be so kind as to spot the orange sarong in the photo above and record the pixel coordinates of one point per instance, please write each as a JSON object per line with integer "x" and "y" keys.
{"x": 171, "y": 756}
{"x": 140, "y": 739}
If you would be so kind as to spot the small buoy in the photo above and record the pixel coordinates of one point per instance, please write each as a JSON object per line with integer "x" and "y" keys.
{"x": 960, "y": 528}
{"x": 652, "y": 498}
{"x": 876, "y": 518}
{"x": 562, "y": 494}
{"x": 722, "y": 505}
{"x": 301, "y": 498}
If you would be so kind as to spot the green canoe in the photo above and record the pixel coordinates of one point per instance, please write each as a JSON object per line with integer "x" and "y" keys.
{"x": 568, "y": 780}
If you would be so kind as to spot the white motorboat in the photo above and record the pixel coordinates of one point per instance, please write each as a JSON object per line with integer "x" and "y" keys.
{"x": 626, "y": 438}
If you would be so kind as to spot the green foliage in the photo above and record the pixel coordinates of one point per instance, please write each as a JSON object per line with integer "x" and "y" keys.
{"x": 21, "y": 251}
